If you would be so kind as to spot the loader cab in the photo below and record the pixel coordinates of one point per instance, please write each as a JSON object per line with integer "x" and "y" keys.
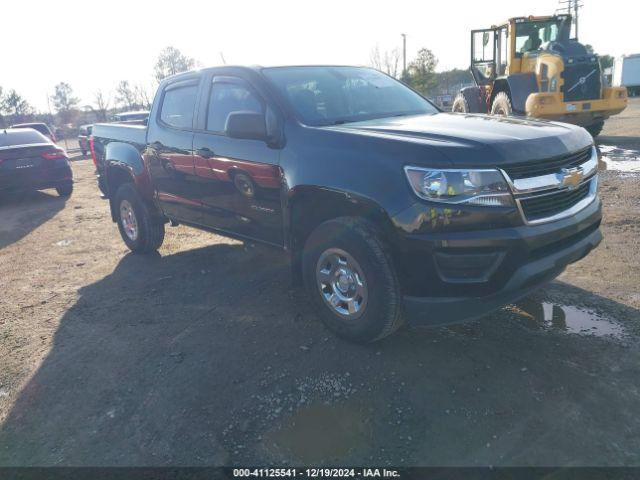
{"x": 514, "y": 46}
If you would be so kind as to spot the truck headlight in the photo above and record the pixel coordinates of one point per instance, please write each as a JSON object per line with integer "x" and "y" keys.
{"x": 553, "y": 84}
{"x": 471, "y": 187}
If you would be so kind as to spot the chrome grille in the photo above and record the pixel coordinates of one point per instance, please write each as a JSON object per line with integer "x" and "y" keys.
{"x": 555, "y": 188}
{"x": 543, "y": 206}
{"x": 536, "y": 168}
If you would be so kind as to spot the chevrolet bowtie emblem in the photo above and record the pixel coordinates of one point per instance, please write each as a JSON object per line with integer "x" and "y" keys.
{"x": 571, "y": 177}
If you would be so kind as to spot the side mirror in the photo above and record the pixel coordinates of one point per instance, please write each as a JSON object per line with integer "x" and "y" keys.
{"x": 485, "y": 38}
{"x": 247, "y": 125}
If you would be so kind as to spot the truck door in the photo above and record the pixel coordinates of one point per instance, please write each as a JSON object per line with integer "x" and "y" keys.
{"x": 169, "y": 153}
{"x": 239, "y": 179}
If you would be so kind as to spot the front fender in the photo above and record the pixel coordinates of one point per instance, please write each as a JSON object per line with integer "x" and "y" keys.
{"x": 519, "y": 86}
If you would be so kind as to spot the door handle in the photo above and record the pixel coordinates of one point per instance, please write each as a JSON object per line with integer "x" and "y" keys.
{"x": 205, "y": 152}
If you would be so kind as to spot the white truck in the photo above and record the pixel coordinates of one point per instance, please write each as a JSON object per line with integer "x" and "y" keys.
{"x": 626, "y": 73}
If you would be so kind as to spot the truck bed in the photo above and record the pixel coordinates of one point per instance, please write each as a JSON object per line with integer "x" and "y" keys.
{"x": 122, "y": 132}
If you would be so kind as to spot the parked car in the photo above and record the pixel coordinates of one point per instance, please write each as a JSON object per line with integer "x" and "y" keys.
{"x": 43, "y": 128}
{"x": 84, "y": 133}
{"x": 31, "y": 161}
{"x": 139, "y": 115}
{"x": 389, "y": 208}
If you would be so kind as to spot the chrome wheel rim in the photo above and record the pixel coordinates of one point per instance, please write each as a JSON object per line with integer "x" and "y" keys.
{"x": 128, "y": 220}
{"x": 341, "y": 283}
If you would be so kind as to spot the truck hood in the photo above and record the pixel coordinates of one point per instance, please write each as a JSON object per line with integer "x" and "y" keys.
{"x": 470, "y": 140}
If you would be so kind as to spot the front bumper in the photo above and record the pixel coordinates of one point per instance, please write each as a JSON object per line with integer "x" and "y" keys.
{"x": 550, "y": 106}
{"x": 498, "y": 266}
{"x": 446, "y": 310}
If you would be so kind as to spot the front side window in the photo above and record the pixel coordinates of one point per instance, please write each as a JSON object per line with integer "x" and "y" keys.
{"x": 226, "y": 98}
{"x": 334, "y": 95}
{"x": 178, "y": 105}
{"x": 531, "y": 35}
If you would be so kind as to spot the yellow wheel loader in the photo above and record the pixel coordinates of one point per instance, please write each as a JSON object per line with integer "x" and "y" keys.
{"x": 530, "y": 66}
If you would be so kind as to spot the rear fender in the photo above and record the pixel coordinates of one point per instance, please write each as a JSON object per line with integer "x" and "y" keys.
{"x": 123, "y": 164}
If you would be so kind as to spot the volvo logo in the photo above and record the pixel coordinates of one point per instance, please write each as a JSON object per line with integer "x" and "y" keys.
{"x": 583, "y": 80}
{"x": 571, "y": 177}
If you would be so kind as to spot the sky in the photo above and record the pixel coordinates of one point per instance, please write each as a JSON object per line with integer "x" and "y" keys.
{"x": 92, "y": 45}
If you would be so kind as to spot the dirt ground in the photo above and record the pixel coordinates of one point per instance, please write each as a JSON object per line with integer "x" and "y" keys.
{"x": 206, "y": 355}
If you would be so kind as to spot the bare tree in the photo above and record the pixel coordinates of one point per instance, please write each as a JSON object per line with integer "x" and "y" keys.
{"x": 102, "y": 105}
{"x": 125, "y": 95}
{"x": 141, "y": 94}
{"x": 63, "y": 98}
{"x": 170, "y": 62}
{"x": 387, "y": 62}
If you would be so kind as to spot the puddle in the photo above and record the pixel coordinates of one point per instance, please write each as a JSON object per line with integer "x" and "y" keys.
{"x": 625, "y": 160}
{"x": 567, "y": 319}
{"x": 321, "y": 433}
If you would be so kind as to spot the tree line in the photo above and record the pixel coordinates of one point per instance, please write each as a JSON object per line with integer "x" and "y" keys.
{"x": 65, "y": 105}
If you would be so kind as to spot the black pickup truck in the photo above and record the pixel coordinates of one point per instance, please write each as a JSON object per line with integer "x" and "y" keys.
{"x": 389, "y": 208}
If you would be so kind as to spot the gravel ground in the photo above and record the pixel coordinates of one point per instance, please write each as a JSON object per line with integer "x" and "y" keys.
{"x": 205, "y": 354}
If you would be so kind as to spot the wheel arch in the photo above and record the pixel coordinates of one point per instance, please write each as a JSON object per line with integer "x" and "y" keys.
{"x": 473, "y": 98}
{"x": 308, "y": 206}
{"x": 124, "y": 164}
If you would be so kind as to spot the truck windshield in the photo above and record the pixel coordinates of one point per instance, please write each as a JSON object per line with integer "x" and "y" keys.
{"x": 335, "y": 95}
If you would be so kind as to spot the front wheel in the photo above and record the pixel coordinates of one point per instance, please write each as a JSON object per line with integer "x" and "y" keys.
{"x": 348, "y": 272}
{"x": 138, "y": 228}
{"x": 502, "y": 105}
{"x": 460, "y": 104}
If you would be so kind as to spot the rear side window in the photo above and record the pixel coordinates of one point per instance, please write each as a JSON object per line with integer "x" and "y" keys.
{"x": 177, "y": 106}
{"x": 226, "y": 98}
{"x": 42, "y": 128}
{"x": 21, "y": 137}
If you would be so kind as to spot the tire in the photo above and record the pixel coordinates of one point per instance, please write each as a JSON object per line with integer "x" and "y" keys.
{"x": 501, "y": 105}
{"x": 369, "y": 279}
{"x": 65, "y": 190}
{"x": 595, "y": 129}
{"x": 460, "y": 104}
{"x": 140, "y": 231}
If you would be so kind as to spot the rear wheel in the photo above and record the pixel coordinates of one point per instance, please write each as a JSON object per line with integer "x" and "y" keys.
{"x": 65, "y": 190}
{"x": 595, "y": 128}
{"x": 352, "y": 279}
{"x": 501, "y": 105}
{"x": 460, "y": 104}
{"x": 138, "y": 228}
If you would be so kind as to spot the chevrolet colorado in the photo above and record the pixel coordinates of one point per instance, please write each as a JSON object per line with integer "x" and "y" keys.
{"x": 389, "y": 208}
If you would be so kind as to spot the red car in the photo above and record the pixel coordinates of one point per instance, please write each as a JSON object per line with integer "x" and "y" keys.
{"x": 30, "y": 161}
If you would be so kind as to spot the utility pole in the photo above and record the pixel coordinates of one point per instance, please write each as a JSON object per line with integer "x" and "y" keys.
{"x": 404, "y": 54}
{"x": 572, "y": 8}
{"x": 575, "y": 15}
